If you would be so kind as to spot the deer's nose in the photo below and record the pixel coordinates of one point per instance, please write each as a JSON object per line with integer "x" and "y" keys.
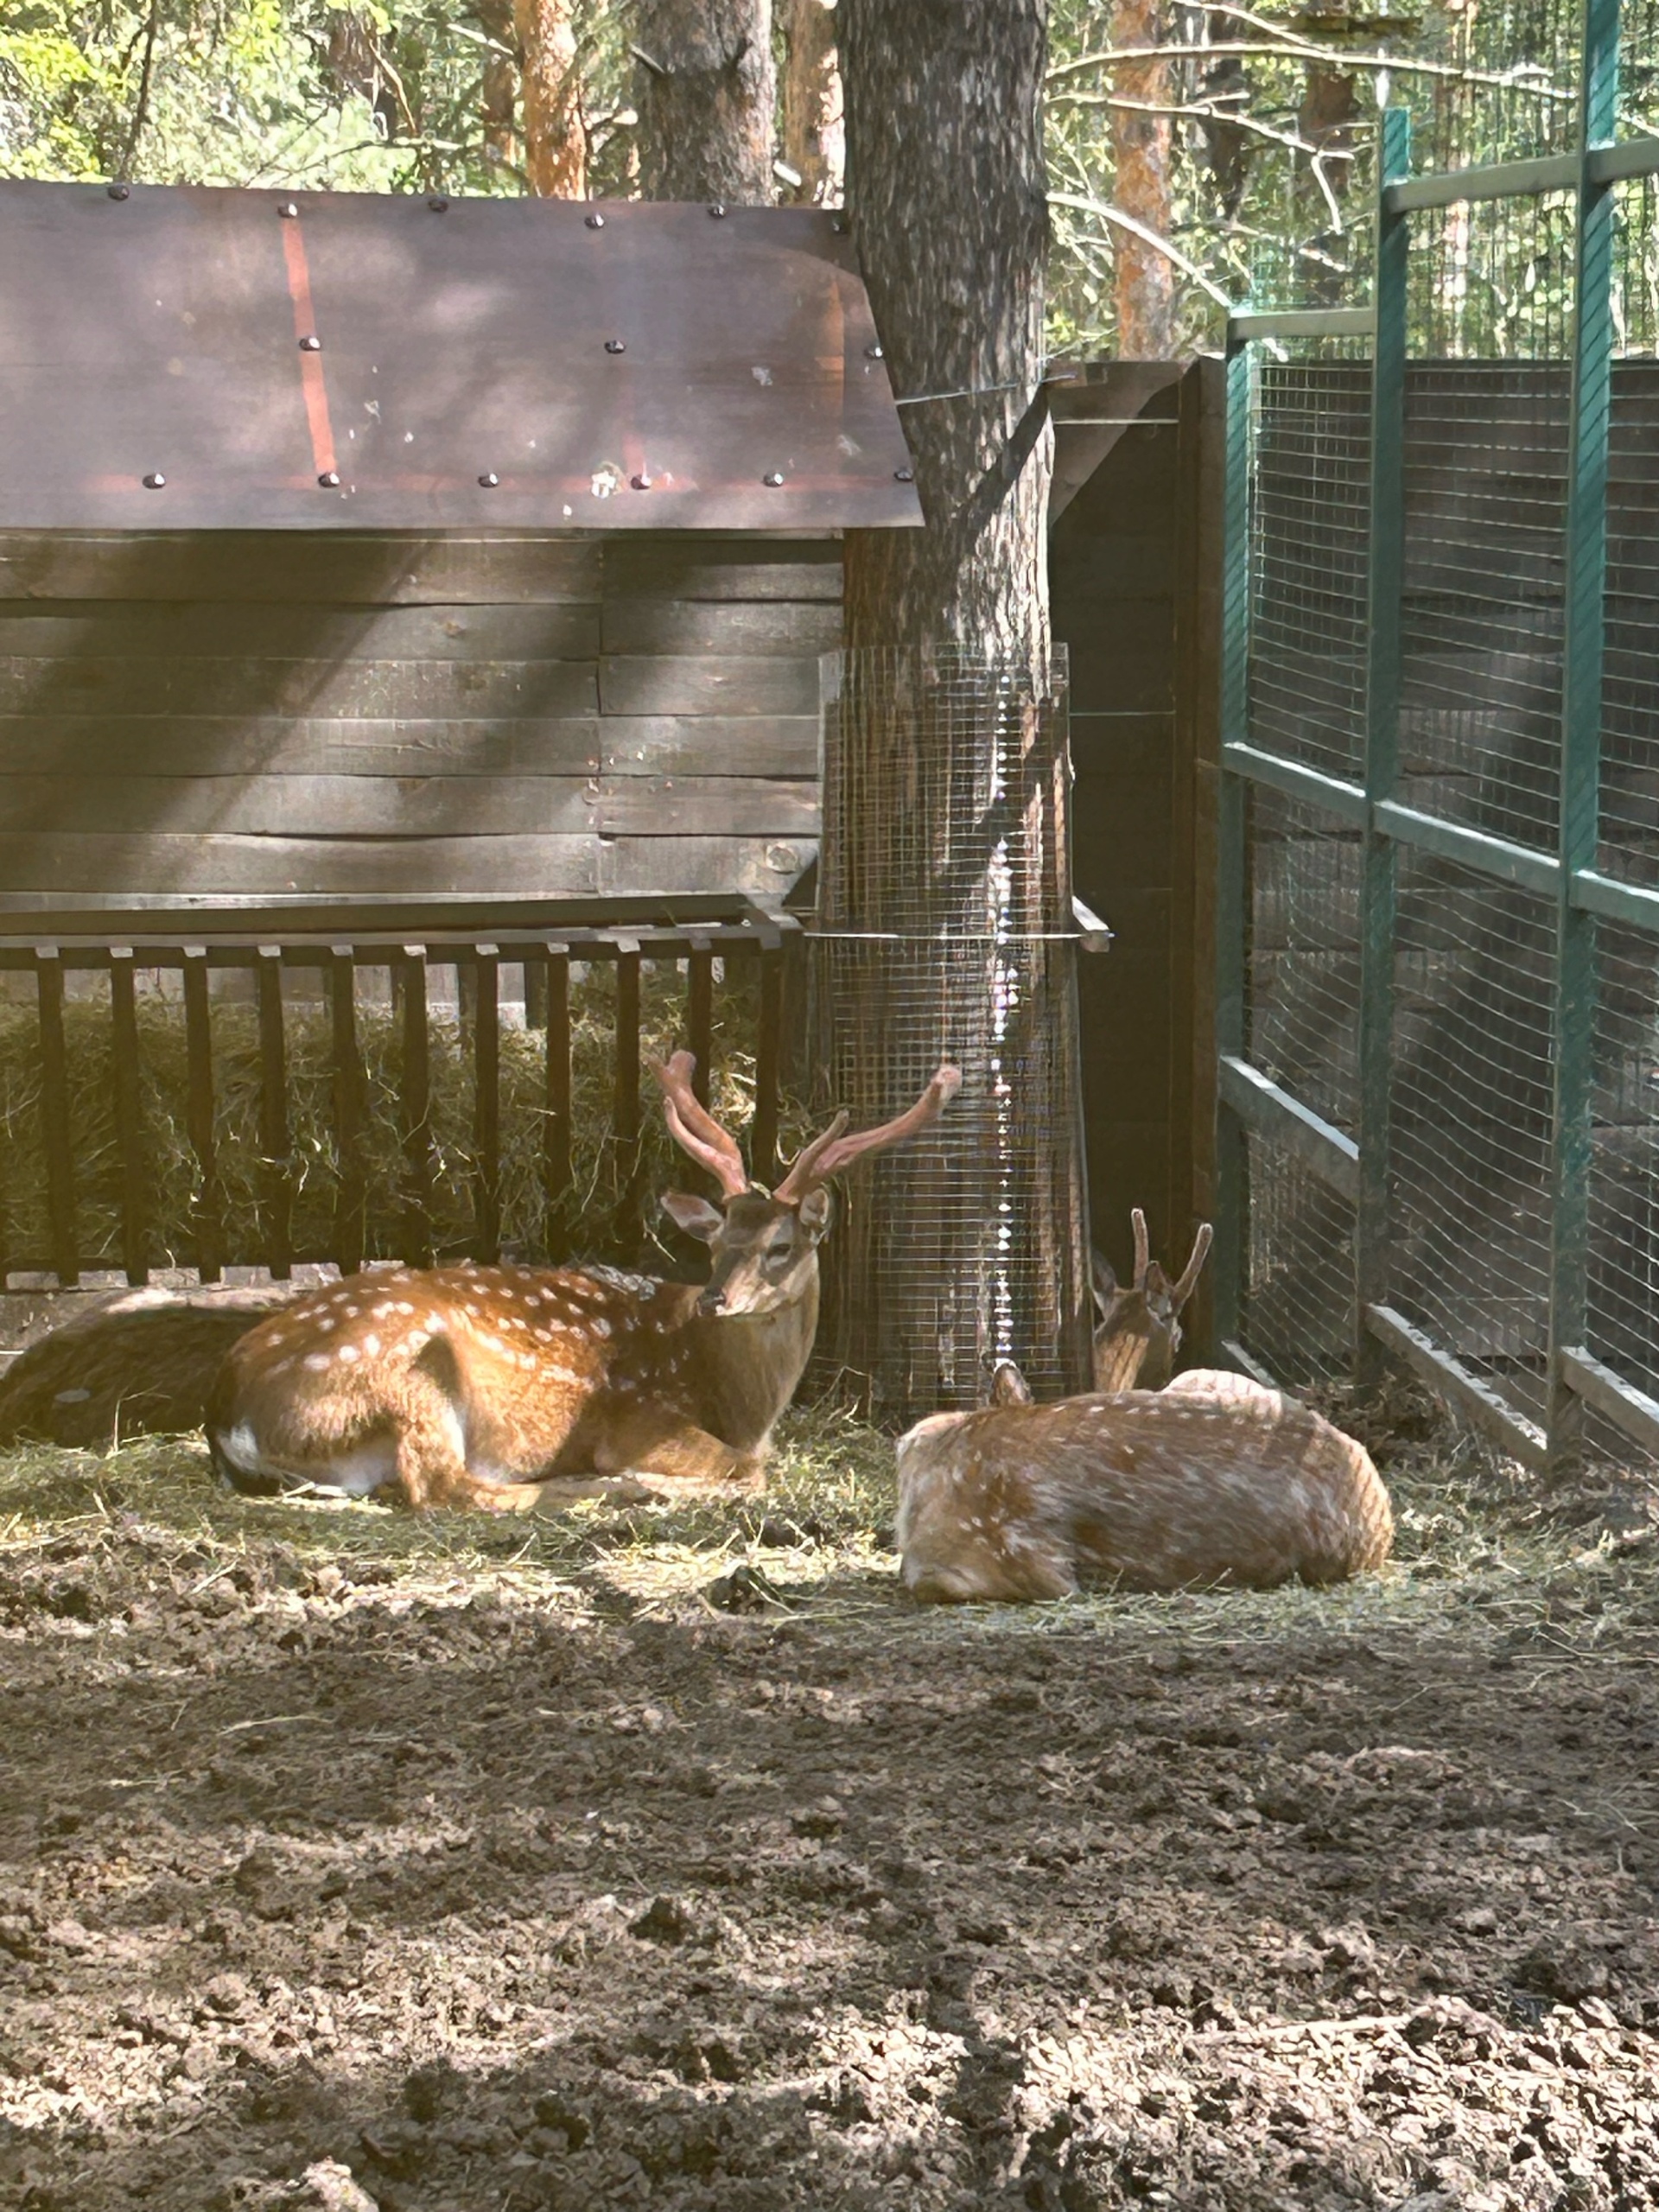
{"x": 711, "y": 1300}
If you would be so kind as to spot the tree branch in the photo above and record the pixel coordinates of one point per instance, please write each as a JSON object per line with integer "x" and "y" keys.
{"x": 1123, "y": 222}
{"x": 1393, "y": 64}
{"x": 141, "y": 112}
{"x": 1207, "y": 113}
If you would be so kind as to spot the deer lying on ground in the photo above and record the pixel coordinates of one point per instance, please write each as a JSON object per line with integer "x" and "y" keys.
{"x": 1140, "y": 1331}
{"x": 140, "y": 1362}
{"x": 1213, "y": 1483}
{"x": 516, "y": 1388}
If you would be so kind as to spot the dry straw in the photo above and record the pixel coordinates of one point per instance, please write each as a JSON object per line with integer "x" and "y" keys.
{"x": 592, "y": 1221}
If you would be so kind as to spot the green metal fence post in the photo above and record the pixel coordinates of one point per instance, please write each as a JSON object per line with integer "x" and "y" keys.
{"x": 1379, "y": 876}
{"x": 1232, "y": 919}
{"x": 1583, "y": 634}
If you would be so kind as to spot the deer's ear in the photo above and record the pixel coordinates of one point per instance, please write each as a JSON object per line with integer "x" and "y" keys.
{"x": 694, "y": 1215}
{"x": 1008, "y": 1386}
{"x": 1104, "y": 1281}
{"x": 816, "y": 1211}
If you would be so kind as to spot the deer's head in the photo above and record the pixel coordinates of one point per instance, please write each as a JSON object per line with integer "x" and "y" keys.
{"x": 1140, "y": 1331}
{"x": 763, "y": 1244}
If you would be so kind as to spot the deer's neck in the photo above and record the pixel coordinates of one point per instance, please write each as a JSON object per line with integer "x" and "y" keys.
{"x": 747, "y": 1364}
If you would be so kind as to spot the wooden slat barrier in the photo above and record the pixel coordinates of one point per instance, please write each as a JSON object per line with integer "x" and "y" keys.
{"x": 403, "y": 945}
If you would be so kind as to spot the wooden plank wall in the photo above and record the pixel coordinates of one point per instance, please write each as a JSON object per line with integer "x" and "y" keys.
{"x": 239, "y": 716}
{"x": 1133, "y": 582}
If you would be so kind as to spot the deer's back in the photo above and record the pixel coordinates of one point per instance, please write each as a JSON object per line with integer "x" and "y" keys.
{"x": 1144, "y": 1490}
{"x": 143, "y": 1363}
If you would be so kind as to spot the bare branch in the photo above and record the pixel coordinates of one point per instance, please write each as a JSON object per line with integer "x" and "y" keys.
{"x": 1395, "y": 64}
{"x": 1205, "y": 111}
{"x": 1115, "y": 216}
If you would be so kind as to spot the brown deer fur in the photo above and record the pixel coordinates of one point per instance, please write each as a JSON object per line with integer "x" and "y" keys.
{"x": 141, "y": 1362}
{"x": 513, "y": 1387}
{"x": 1213, "y": 1483}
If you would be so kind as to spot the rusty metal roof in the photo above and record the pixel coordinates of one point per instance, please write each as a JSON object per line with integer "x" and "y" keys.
{"x": 180, "y": 357}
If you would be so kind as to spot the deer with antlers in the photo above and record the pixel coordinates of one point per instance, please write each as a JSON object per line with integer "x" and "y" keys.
{"x": 512, "y": 1389}
{"x": 1213, "y": 1483}
{"x": 1140, "y": 1331}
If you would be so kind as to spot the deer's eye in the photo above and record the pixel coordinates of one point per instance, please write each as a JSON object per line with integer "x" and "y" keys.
{"x": 778, "y": 1252}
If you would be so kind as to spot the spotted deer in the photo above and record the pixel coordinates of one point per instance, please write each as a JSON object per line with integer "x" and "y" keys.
{"x": 512, "y": 1389}
{"x": 1213, "y": 1483}
{"x": 1140, "y": 1331}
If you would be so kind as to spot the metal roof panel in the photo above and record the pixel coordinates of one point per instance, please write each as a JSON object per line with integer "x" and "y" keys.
{"x": 552, "y": 364}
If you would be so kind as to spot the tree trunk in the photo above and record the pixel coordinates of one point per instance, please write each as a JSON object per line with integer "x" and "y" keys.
{"x": 556, "y": 145}
{"x": 1145, "y": 289}
{"x": 704, "y": 89}
{"x": 814, "y": 139}
{"x": 946, "y": 184}
{"x": 944, "y": 894}
{"x": 499, "y": 101}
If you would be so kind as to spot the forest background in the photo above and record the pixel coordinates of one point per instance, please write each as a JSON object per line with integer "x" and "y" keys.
{"x": 1197, "y": 154}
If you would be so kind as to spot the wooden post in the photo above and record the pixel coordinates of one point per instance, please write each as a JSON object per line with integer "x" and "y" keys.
{"x": 55, "y": 1117}
{"x": 198, "y": 1062}
{"x": 486, "y": 1107}
{"x": 129, "y": 1124}
{"x": 351, "y": 1195}
{"x": 276, "y": 1176}
{"x": 415, "y": 1106}
{"x": 556, "y": 1127}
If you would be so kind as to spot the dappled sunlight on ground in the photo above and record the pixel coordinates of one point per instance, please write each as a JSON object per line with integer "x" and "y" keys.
{"x": 355, "y": 1859}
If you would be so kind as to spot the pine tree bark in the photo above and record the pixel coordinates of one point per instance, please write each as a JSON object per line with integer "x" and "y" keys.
{"x": 704, "y": 88}
{"x": 814, "y": 141}
{"x": 1145, "y": 286}
{"x": 946, "y": 194}
{"x": 499, "y": 100}
{"x": 939, "y": 936}
{"x": 555, "y": 145}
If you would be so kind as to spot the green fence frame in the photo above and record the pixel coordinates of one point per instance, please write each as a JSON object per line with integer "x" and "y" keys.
{"x": 1357, "y": 1167}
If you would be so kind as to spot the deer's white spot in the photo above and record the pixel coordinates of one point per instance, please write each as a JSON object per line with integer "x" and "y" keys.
{"x": 600, "y": 1326}
{"x": 348, "y": 1354}
{"x": 317, "y": 1361}
{"x": 404, "y": 1306}
{"x": 381, "y": 1311}
{"x": 325, "y": 1321}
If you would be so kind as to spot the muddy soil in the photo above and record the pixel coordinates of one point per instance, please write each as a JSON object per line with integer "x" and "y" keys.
{"x": 463, "y": 1873}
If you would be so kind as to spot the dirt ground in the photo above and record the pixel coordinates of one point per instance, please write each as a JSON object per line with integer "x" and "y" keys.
{"x": 354, "y": 1861}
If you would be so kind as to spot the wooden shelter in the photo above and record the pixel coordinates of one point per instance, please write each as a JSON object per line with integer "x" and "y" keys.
{"x": 357, "y": 547}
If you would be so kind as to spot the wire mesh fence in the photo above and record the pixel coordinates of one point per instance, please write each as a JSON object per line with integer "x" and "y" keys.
{"x": 1442, "y": 595}
{"x": 1307, "y": 666}
{"x": 944, "y": 932}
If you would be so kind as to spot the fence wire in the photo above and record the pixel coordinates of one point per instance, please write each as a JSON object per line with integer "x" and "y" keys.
{"x": 1630, "y": 777}
{"x": 1469, "y": 1116}
{"x": 1485, "y": 506}
{"x": 1303, "y": 954}
{"x": 1297, "y": 1314}
{"x": 944, "y": 931}
{"x": 1308, "y": 562}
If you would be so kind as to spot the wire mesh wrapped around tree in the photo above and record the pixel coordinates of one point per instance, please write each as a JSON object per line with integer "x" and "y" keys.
{"x": 944, "y": 932}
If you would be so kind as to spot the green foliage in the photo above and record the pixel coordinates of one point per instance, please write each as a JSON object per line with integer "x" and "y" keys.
{"x": 260, "y": 93}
